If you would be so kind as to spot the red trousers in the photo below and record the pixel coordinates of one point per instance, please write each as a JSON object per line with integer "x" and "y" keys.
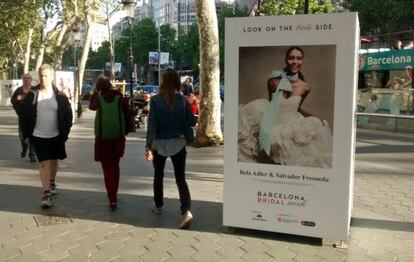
{"x": 111, "y": 177}
{"x": 109, "y": 153}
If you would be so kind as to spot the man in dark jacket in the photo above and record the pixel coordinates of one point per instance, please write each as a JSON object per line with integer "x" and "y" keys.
{"x": 47, "y": 119}
{"x": 17, "y": 100}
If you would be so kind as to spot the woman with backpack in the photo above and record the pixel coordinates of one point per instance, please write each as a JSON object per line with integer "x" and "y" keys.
{"x": 169, "y": 128}
{"x": 113, "y": 121}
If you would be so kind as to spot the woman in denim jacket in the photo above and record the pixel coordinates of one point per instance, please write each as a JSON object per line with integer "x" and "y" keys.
{"x": 169, "y": 120}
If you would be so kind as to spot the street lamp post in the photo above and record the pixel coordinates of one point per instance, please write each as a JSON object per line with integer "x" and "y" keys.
{"x": 159, "y": 55}
{"x": 131, "y": 61}
{"x": 76, "y": 42}
{"x": 306, "y": 6}
{"x": 129, "y": 6}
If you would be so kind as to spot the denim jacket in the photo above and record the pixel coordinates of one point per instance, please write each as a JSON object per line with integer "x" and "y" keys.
{"x": 165, "y": 122}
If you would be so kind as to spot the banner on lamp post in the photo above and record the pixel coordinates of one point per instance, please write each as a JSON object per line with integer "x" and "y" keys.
{"x": 164, "y": 58}
{"x": 117, "y": 67}
{"x": 153, "y": 58}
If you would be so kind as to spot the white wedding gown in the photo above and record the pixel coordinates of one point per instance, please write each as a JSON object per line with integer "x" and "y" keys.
{"x": 296, "y": 140}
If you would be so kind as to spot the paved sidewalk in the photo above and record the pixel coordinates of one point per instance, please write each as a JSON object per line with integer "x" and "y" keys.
{"x": 382, "y": 222}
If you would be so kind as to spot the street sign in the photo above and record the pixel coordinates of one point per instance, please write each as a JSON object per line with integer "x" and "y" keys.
{"x": 388, "y": 60}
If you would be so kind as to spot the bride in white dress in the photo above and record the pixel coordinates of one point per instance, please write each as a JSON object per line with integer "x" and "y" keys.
{"x": 279, "y": 129}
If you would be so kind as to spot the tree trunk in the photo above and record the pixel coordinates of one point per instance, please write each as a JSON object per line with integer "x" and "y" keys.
{"x": 40, "y": 54}
{"x": 44, "y": 41}
{"x": 61, "y": 43}
{"x": 209, "y": 126}
{"x": 86, "y": 46}
{"x": 111, "y": 46}
{"x": 28, "y": 48}
{"x": 41, "y": 51}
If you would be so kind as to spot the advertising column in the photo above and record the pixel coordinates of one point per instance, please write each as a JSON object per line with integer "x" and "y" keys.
{"x": 289, "y": 153}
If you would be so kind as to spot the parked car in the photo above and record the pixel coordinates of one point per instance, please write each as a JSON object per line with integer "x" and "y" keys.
{"x": 86, "y": 91}
{"x": 143, "y": 93}
{"x": 135, "y": 87}
{"x": 151, "y": 89}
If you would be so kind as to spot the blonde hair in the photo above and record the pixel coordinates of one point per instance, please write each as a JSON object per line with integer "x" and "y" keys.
{"x": 46, "y": 67}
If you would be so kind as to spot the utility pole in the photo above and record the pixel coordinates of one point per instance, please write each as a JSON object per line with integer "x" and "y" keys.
{"x": 306, "y": 6}
{"x": 159, "y": 55}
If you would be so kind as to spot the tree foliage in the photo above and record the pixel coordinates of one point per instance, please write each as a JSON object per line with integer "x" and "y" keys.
{"x": 227, "y": 11}
{"x": 144, "y": 40}
{"x": 187, "y": 49}
{"x": 383, "y": 16}
{"x": 292, "y": 7}
{"x": 168, "y": 36}
{"x": 97, "y": 59}
{"x": 18, "y": 17}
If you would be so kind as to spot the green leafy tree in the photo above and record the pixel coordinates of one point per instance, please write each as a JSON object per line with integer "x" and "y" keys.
{"x": 144, "y": 40}
{"x": 168, "y": 35}
{"x": 292, "y": 7}
{"x": 68, "y": 58}
{"x": 187, "y": 49}
{"x": 144, "y": 37}
{"x": 97, "y": 59}
{"x": 227, "y": 10}
{"x": 17, "y": 23}
{"x": 121, "y": 47}
{"x": 42, "y": 37}
{"x": 168, "y": 39}
{"x": 383, "y": 16}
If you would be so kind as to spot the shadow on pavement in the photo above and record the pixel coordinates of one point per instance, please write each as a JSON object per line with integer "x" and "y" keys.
{"x": 378, "y": 148}
{"x": 132, "y": 210}
{"x": 370, "y": 136}
{"x": 88, "y": 205}
{"x": 382, "y": 224}
{"x": 276, "y": 236}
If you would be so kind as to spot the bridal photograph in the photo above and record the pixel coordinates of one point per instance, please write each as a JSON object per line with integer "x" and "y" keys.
{"x": 286, "y": 105}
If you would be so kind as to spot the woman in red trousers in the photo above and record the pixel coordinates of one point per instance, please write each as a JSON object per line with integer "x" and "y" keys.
{"x": 109, "y": 151}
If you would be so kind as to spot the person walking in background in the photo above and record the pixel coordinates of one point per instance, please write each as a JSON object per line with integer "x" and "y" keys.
{"x": 16, "y": 100}
{"x": 169, "y": 123}
{"x": 192, "y": 100}
{"x": 188, "y": 88}
{"x": 410, "y": 45}
{"x": 113, "y": 121}
{"x": 397, "y": 45}
{"x": 47, "y": 120}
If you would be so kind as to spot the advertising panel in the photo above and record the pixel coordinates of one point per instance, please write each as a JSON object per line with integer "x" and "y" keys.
{"x": 289, "y": 153}
{"x": 7, "y": 89}
{"x": 65, "y": 82}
